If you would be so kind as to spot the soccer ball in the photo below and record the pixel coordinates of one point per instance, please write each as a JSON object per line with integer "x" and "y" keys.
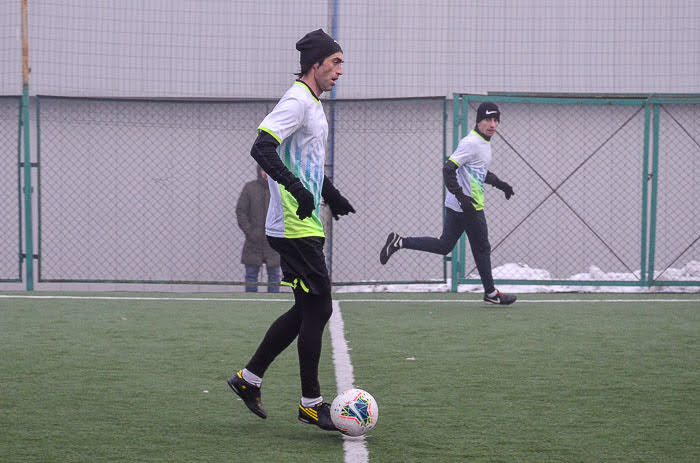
{"x": 354, "y": 412}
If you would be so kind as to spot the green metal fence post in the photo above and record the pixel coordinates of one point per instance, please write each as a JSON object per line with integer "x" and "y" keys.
{"x": 654, "y": 194}
{"x": 29, "y": 248}
{"x": 28, "y": 235}
{"x": 459, "y": 121}
{"x": 461, "y": 247}
{"x": 645, "y": 192}
{"x": 444, "y": 158}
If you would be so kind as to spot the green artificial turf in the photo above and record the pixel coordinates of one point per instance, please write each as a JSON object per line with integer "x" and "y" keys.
{"x": 565, "y": 378}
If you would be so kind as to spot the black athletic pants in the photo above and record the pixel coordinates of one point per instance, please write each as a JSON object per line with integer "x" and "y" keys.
{"x": 304, "y": 268}
{"x": 474, "y": 225}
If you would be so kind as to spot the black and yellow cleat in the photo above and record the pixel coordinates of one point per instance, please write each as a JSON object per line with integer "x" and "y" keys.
{"x": 248, "y": 392}
{"x": 319, "y": 414}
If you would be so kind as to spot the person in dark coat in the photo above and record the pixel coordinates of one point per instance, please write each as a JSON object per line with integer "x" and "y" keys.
{"x": 251, "y": 211}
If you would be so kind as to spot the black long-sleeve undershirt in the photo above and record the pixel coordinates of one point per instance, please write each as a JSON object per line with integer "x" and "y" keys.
{"x": 264, "y": 151}
{"x": 449, "y": 174}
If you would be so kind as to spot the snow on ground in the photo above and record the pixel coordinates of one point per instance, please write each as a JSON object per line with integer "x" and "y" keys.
{"x": 690, "y": 272}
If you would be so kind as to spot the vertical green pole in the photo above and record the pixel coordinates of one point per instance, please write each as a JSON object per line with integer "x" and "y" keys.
{"x": 459, "y": 261}
{"x": 444, "y": 156}
{"x": 645, "y": 192}
{"x": 456, "y": 121}
{"x": 462, "y": 243}
{"x": 654, "y": 195}
{"x": 28, "y": 238}
{"x": 28, "y": 235}
{"x": 20, "y": 231}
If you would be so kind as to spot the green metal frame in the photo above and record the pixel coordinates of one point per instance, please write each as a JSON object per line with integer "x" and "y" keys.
{"x": 656, "y": 102}
{"x": 645, "y": 191}
{"x": 28, "y": 228}
{"x": 654, "y": 193}
{"x": 38, "y": 186}
{"x": 41, "y": 279}
{"x": 651, "y": 106}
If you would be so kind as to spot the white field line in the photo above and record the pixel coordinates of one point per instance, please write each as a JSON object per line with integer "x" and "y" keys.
{"x": 231, "y": 299}
{"x": 519, "y": 301}
{"x": 355, "y": 448}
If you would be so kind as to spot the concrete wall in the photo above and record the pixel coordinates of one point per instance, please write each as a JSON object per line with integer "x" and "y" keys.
{"x": 398, "y": 48}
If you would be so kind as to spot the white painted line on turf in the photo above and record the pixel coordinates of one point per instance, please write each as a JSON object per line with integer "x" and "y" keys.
{"x": 344, "y": 374}
{"x": 249, "y": 299}
{"x": 520, "y": 301}
{"x": 354, "y": 447}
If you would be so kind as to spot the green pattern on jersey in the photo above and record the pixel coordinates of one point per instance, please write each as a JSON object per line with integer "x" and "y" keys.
{"x": 293, "y": 227}
{"x": 477, "y": 193}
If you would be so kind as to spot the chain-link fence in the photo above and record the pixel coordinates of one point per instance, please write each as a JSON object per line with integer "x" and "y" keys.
{"x": 145, "y": 191}
{"x": 10, "y": 225}
{"x": 675, "y": 231}
{"x": 580, "y": 169}
{"x": 388, "y": 157}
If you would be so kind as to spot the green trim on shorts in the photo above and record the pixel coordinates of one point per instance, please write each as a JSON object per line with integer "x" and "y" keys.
{"x": 298, "y": 282}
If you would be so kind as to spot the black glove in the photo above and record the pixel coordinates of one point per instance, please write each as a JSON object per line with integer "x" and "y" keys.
{"x": 340, "y": 206}
{"x": 505, "y": 188}
{"x": 466, "y": 203}
{"x": 492, "y": 179}
{"x": 304, "y": 198}
{"x": 336, "y": 202}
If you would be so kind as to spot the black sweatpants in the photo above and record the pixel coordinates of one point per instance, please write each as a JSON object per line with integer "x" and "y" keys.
{"x": 304, "y": 269}
{"x": 474, "y": 225}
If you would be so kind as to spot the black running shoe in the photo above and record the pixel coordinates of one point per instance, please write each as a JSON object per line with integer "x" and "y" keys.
{"x": 248, "y": 392}
{"x": 391, "y": 246}
{"x": 500, "y": 299}
{"x": 319, "y": 414}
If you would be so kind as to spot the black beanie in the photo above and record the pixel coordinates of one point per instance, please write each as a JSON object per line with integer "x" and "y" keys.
{"x": 487, "y": 109}
{"x": 316, "y": 46}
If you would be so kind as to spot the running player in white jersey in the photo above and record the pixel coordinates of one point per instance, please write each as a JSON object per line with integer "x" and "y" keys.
{"x": 465, "y": 174}
{"x": 291, "y": 148}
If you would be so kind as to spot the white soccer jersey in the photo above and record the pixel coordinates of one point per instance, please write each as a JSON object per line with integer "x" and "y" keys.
{"x": 299, "y": 124}
{"x": 473, "y": 156}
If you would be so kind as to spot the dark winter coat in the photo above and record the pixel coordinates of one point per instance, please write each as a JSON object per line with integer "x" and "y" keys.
{"x": 251, "y": 211}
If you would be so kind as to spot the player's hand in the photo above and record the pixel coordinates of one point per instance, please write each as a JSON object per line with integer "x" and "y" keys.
{"x": 339, "y": 206}
{"x": 507, "y": 189}
{"x": 304, "y": 198}
{"x": 467, "y": 204}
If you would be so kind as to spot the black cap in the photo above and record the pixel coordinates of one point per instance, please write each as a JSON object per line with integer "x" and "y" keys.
{"x": 316, "y": 46}
{"x": 488, "y": 109}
